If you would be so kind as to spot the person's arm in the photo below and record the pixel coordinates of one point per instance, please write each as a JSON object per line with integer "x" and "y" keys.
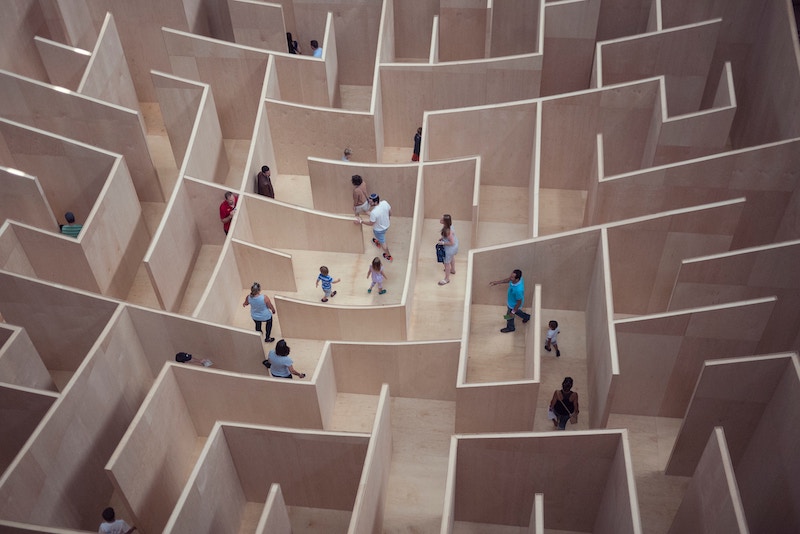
{"x": 229, "y": 217}
{"x": 270, "y": 190}
{"x": 317, "y": 284}
{"x": 296, "y": 373}
{"x": 269, "y": 304}
{"x": 448, "y": 241}
{"x": 517, "y": 306}
{"x": 554, "y": 400}
{"x": 246, "y": 301}
{"x": 130, "y": 529}
{"x": 336, "y": 281}
{"x": 369, "y": 272}
{"x": 503, "y": 281}
{"x": 384, "y": 274}
{"x": 368, "y": 223}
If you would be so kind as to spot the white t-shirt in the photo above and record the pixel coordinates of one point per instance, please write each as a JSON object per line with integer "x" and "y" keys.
{"x": 380, "y": 216}
{"x": 552, "y": 335}
{"x": 117, "y": 527}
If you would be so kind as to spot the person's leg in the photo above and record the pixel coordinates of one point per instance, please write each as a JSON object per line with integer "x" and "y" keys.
{"x": 524, "y": 316}
{"x": 327, "y": 293}
{"x": 267, "y": 337}
{"x": 562, "y": 421}
{"x": 509, "y": 322}
{"x": 446, "y": 273}
{"x": 558, "y": 352}
{"x": 258, "y": 326}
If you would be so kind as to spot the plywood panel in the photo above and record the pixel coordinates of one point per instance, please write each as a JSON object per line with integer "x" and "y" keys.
{"x": 152, "y": 462}
{"x": 174, "y": 249}
{"x": 570, "y": 32}
{"x": 313, "y": 320}
{"x": 451, "y": 187}
{"x": 302, "y": 229}
{"x": 515, "y": 28}
{"x": 477, "y": 407}
{"x": 570, "y": 125}
{"x": 543, "y": 261}
{"x": 163, "y": 335}
{"x": 67, "y": 454}
{"x": 462, "y": 30}
{"x": 304, "y": 80}
{"x": 368, "y": 508}
{"x": 207, "y": 159}
{"x": 255, "y": 263}
{"x": 747, "y": 273}
{"x": 179, "y": 102}
{"x": 65, "y": 334}
{"x": 502, "y": 135}
{"x": 712, "y": 502}
{"x": 275, "y": 517}
{"x": 363, "y": 368}
{"x": 410, "y": 90}
{"x": 217, "y": 63}
{"x": 761, "y": 483}
{"x": 497, "y": 478}
{"x": 12, "y": 254}
{"x": 317, "y": 470}
{"x": 659, "y": 380}
{"x": 298, "y": 132}
{"x": 332, "y": 189}
{"x": 24, "y": 201}
{"x": 259, "y": 25}
{"x": 21, "y": 410}
{"x": 213, "y": 500}
{"x": 107, "y": 76}
{"x": 71, "y": 174}
{"x": 116, "y": 238}
{"x": 20, "y": 364}
{"x": 65, "y": 65}
{"x": 84, "y": 119}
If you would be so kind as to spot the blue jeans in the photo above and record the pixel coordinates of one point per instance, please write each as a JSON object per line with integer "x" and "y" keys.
{"x": 510, "y": 322}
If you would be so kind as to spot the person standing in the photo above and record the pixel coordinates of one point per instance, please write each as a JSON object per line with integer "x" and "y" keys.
{"x": 565, "y": 405}
{"x": 450, "y": 242}
{"x": 378, "y": 276}
{"x": 71, "y": 229}
{"x": 417, "y": 144}
{"x": 316, "y": 48}
{"x": 552, "y": 338}
{"x": 261, "y": 310}
{"x": 227, "y": 210}
{"x": 111, "y": 525}
{"x": 280, "y": 364}
{"x": 265, "y": 183}
{"x": 347, "y": 154}
{"x": 379, "y": 219}
{"x": 360, "y": 199}
{"x": 516, "y": 294}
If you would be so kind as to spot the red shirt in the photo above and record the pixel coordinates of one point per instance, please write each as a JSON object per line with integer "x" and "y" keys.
{"x": 225, "y": 209}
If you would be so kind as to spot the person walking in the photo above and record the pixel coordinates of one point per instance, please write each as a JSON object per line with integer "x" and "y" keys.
{"x": 380, "y": 220}
{"x": 516, "y": 294}
{"x": 450, "y": 242}
{"x": 261, "y": 310}
{"x": 565, "y": 405}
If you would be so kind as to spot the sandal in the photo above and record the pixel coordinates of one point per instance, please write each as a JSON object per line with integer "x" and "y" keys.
{"x": 333, "y": 294}
{"x": 324, "y": 300}
{"x": 381, "y": 292}
{"x": 377, "y": 243}
{"x": 387, "y": 257}
{"x": 369, "y": 290}
{"x": 443, "y": 282}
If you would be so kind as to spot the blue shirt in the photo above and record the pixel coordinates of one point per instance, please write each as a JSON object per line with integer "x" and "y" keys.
{"x": 326, "y": 280}
{"x": 258, "y": 308}
{"x": 516, "y": 292}
{"x": 318, "y": 52}
{"x": 280, "y": 365}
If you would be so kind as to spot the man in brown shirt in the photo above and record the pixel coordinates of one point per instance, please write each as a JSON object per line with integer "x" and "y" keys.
{"x": 360, "y": 202}
{"x": 265, "y": 183}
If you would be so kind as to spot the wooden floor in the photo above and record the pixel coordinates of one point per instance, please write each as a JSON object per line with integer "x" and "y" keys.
{"x": 422, "y": 428}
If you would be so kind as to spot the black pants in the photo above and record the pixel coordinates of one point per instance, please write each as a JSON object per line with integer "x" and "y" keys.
{"x": 268, "y": 322}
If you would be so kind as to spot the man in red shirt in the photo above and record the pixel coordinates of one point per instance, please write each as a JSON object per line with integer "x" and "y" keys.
{"x": 227, "y": 209}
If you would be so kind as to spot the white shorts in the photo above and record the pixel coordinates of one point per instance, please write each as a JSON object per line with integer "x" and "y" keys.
{"x": 363, "y": 208}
